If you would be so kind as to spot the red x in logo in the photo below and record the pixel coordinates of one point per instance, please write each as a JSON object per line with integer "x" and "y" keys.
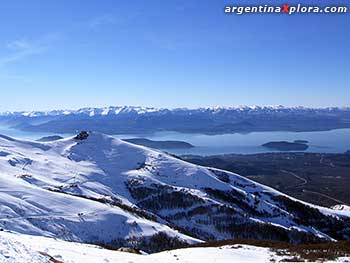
{"x": 285, "y": 8}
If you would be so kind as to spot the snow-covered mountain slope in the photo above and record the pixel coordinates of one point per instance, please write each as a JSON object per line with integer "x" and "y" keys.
{"x": 31, "y": 176}
{"x": 20, "y": 248}
{"x": 102, "y": 189}
{"x": 28, "y": 249}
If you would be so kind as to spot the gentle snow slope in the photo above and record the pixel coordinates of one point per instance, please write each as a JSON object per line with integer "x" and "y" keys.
{"x": 19, "y": 248}
{"x": 24, "y": 248}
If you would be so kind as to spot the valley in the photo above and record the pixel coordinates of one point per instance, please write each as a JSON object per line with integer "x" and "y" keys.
{"x": 318, "y": 178}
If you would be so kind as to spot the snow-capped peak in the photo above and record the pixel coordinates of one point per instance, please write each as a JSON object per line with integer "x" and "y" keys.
{"x": 115, "y": 110}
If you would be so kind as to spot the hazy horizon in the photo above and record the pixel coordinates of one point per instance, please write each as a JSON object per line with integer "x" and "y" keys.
{"x": 173, "y": 108}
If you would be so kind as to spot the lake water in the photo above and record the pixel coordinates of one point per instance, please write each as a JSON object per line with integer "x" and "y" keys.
{"x": 334, "y": 141}
{"x": 26, "y": 135}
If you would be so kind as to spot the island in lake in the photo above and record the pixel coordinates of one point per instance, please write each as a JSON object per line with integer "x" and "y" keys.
{"x": 160, "y": 144}
{"x": 50, "y": 138}
{"x": 301, "y": 141}
{"x": 297, "y": 145}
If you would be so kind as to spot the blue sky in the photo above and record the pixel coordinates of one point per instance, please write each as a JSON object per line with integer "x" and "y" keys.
{"x": 71, "y": 54}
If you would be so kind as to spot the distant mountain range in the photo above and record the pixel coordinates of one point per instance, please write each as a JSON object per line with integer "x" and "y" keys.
{"x": 216, "y": 120}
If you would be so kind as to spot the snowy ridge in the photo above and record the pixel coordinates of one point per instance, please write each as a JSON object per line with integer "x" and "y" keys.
{"x": 214, "y": 120}
{"x": 85, "y": 111}
{"x": 102, "y": 189}
{"x": 139, "y": 110}
{"x": 28, "y": 207}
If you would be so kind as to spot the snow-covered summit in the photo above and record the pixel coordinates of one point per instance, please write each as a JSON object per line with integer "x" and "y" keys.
{"x": 101, "y": 189}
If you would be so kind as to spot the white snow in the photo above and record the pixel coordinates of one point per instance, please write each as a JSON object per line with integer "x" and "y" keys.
{"x": 341, "y": 207}
{"x": 84, "y": 172}
{"x": 98, "y": 168}
{"x": 28, "y": 169}
{"x": 25, "y": 248}
{"x": 19, "y": 248}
